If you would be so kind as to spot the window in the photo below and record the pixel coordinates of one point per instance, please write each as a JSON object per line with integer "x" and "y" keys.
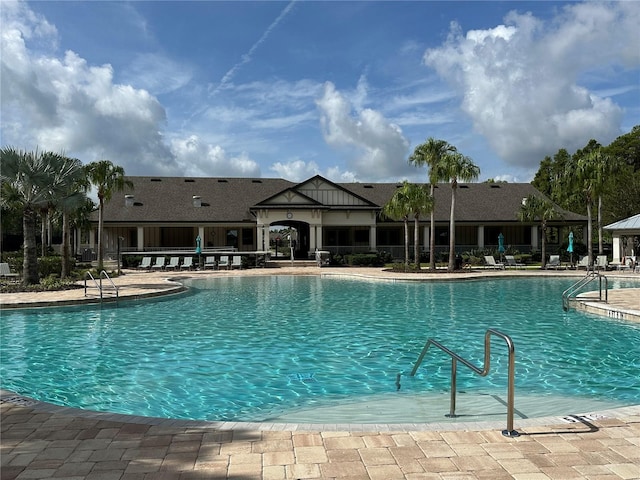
{"x": 247, "y": 236}
{"x": 232, "y": 238}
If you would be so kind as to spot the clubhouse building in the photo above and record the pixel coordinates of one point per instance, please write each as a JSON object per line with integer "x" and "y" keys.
{"x": 169, "y": 213}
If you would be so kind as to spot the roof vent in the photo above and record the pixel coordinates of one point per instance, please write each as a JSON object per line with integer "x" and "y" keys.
{"x": 256, "y": 181}
{"x": 189, "y": 180}
{"x": 493, "y": 185}
{"x": 137, "y": 204}
{"x": 156, "y": 179}
{"x": 368, "y": 186}
{"x": 128, "y": 200}
{"x": 222, "y": 180}
{"x": 463, "y": 186}
{"x": 196, "y": 200}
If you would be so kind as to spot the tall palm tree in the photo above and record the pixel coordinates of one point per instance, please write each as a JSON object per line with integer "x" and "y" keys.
{"x": 397, "y": 208}
{"x": 431, "y": 154}
{"x": 108, "y": 179}
{"x": 419, "y": 202}
{"x": 538, "y": 209}
{"x": 28, "y": 183}
{"x": 456, "y": 167}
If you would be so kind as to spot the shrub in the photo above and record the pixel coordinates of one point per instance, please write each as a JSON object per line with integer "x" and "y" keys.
{"x": 364, "y": 260}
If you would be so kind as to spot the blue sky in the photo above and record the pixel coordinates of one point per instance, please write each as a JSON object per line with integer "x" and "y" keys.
{"x": 293, "y": 89}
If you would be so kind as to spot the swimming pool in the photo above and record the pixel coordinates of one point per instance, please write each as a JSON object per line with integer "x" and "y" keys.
{"x": 282, "y": 347}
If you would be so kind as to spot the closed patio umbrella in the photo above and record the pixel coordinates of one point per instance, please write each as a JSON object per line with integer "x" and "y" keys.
{"x": 570, "y": 247}
{"x": 501, "y": 244}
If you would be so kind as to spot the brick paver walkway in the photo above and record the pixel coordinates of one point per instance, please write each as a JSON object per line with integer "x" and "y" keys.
{"x": 41, "y": 441}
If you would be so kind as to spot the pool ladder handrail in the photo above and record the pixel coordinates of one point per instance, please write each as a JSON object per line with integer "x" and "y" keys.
{"x": 103, "y": 274}
{"x": 509, "y": 432}
{"x": 574, "y": 289}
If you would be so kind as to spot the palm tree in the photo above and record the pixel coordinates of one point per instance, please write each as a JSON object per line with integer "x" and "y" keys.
{"x": 456, "y": 167}
{"x": 420, "y": 202}
{"x": 431, "y": 154}
{"x": 107, "y": 178}
{"x": 29, "y": 182}
{"x": 540, "y": 209}
{"x": 397, "y": 208}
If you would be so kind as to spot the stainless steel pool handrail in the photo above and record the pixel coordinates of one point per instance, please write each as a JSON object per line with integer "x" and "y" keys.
{"x": 574, "y": 289}
{"x": 509, "y": 432}
{"x": 98, "y": 285}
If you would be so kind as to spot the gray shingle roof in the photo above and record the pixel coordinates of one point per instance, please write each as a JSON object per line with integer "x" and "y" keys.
{"x": 229, "y": 200}
{"x": 631, "y": 223}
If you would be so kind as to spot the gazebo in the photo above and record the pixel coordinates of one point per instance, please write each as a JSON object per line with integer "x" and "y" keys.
{"x": 626, "y": 238}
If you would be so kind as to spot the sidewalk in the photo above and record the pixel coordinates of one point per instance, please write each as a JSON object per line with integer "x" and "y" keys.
{"x": 39, "y": 440}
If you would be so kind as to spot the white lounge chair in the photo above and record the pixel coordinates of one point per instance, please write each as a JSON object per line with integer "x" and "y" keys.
{"x": 491, "y": 263}
{"x": 554, "y": 262}
{"x": 236, "y": 262}
{"x": 224, "y": 262}
{"x": 5, "y": 271}
{"x": 159, "y": 263}
{"x": 583, "y": 263}
{"x": 145, "y": 264}
{"x": 174, "y": 263}
{"x": 511, "y": 262}
{"x": 210, "y": 262}
{"x": 601, "y": 262}
{"x": 187, "y": 263}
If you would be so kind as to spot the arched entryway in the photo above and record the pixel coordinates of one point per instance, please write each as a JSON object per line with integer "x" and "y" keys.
{"x": 301, "y": 241}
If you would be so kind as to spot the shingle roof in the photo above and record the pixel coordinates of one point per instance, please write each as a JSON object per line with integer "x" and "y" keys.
{"x": 229, "y": 200}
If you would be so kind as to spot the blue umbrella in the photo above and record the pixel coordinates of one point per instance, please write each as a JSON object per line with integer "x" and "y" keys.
{"x": 501, "y": 243}
{"x": 198, "y": 249}
{"x": 570, "y": 247}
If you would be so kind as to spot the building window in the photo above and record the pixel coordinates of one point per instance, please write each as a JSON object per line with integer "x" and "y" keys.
{"x": 247, "y": 236}
{"x": 232, "y": 238}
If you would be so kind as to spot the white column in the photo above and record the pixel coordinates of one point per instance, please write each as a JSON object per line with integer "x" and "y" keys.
{"x": 534, "y": 238}
{"x": 617, "y": 251}
{"x": 480, "y": 236}
{"x": 427, "y": 238}
{"x": 318, "y": 229}
{"x": 140, "y": 245}
{"x": 372, "y": 238}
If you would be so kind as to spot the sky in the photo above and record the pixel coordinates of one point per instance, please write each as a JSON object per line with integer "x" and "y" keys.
{"x": 345, "y": 90}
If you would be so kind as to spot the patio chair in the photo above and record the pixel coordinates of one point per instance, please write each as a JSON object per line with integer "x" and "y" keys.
{"x": 583, "y": 263}
{"x": 145, "y": 264}
{"x": 159, "y": 263}
{"x": 511, "y": 262}
{"x": 187, "y": 263}
{"x": 224, "y": 262}
{"x": 210, "y": 262}
{"x": 601, "y": 262}
{"x": 236, "y": 262}
{"x": 174, "y": 262}
{"x": 554, "y": 262}
{"x": 5, "y": 271}
{"x": 491, "y": 263}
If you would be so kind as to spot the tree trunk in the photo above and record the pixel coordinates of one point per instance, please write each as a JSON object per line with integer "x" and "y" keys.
{"x": 30, "y": 261}
{"x": 100, "y": 226}
{"x": 416, "y": 241}
{"x": 406, "y": 243}
{"x": 43, "y": 233}
{"x": 66, "y": 241}
{"x": 432, "y": 235}
{"x": 600, "y": 225}
{"x": 589, "y": 236}
{"x": 452, "y": 230}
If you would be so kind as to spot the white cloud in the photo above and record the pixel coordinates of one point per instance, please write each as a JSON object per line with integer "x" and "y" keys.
{"x": 520, "y": 82}
{"x": 377, "y": 147}
{"x": 196, "y": 158}
{"x": 296, "y": 170}
{"x": 157, "y": 73}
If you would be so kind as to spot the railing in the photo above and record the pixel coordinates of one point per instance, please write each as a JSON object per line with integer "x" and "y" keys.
{"x": 98, "y": 284}
{"x": 574, "y": 289}
{"x": 509, "y": 432}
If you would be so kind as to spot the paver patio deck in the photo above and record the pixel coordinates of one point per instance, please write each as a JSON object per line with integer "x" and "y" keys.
{"x": 39, "y": 440}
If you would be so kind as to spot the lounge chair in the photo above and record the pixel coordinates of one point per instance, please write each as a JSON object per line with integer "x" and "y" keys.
{"x": 236, "y": 262}
{"x": 491, "y": 263}
{"x": 601, "y": 262}
{"x": 583, "y": 263}
{"x": 187, "y": 263}
{"x": 174, "y": 263}
{"x": 554, "y": 262}
{"x": 511, "y": 262}
{"x": 224, "y": 262}
{"x": 159, "y": 263}
{"x": 145, "y": 264}
{"x": 210, "y": 262}
{"x": 5, "y": 271}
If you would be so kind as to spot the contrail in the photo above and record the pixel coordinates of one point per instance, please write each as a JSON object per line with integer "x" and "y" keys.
{"x": 247, "y": 57}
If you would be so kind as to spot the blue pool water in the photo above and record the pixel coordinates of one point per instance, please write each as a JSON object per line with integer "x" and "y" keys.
{"x": 249, "y": 349}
